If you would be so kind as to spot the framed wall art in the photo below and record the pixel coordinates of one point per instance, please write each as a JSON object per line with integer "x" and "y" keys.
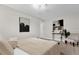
{"x": 24, "y": 24}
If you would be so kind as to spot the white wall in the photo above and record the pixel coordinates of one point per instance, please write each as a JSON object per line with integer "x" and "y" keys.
{"x": 41, "y": 28}
{"x": 71, "y": 23}
{"x": 9, "y": 23}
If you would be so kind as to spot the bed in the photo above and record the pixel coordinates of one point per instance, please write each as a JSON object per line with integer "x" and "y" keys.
{"x": 28, "y": 46}
{"x": 37, "y": 46}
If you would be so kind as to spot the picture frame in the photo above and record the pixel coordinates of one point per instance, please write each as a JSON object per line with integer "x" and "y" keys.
{"x": 24, "y": 24}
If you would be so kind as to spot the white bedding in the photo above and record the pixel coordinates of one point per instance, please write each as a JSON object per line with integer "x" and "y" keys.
{"x": 18, "y": 51}
{"x": 29, "y": 46}
{"x": 35, "y": 46}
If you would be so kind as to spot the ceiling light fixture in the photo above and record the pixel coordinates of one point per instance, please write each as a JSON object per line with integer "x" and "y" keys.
{"x": 40, "y": 6}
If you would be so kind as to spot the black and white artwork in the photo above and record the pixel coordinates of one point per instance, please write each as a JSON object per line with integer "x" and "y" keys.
{"x": 24, "y": 24}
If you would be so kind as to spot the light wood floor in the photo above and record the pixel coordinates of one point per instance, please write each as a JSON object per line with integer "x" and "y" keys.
{"x": 63, "y": 49}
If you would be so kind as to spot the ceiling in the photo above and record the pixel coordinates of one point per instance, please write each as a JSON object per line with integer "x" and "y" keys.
{"x": 49, "y": 12}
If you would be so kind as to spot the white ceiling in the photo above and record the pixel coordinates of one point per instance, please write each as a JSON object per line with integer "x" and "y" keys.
{"x": 50, "y": 11}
